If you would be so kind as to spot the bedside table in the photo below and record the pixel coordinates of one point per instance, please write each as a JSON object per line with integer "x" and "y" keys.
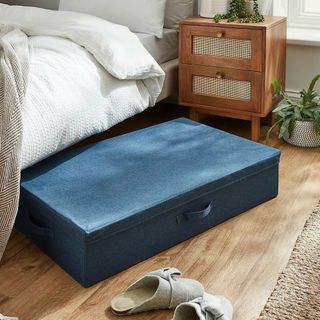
{"x": 226, "y": 69}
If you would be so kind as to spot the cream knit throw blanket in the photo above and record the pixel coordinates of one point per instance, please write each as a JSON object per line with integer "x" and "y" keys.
{"x": 14, "y": 66}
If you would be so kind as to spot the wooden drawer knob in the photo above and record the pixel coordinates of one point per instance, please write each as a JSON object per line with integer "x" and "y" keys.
{"x": 219, "y": 75}
{"x": 219, "y": 34}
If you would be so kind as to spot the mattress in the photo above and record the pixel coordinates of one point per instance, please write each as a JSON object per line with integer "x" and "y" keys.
{"x": 164, "y": 49}
{"x": 100, "y": 209}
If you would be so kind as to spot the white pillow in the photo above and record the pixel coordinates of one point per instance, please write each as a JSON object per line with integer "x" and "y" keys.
{"x": 145, "y": 16}
{"x": 177, "y": 10}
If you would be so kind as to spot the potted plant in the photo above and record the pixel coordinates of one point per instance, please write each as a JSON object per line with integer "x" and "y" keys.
{"x": 298, "y": 120}
{"x": 245, "y": 11}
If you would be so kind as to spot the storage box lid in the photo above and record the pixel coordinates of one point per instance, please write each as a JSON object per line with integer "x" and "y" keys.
{"x": 108, "y": 186}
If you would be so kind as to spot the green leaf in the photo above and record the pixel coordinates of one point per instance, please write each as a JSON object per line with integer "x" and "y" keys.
{"x": 307, "y": 114}
{"x": 282, "y": 106}
{"x": 317, "y": 121}
{"x": 285, "y": 114}
{"x": 276, "y": 85}
{"x": 291, "y": 127}
{"x": 313, "y": 83}
{"x": 314, "y": 94}
{"x": 271, "y": 129}
{"x": 297, "y": 113}
{"x": 303, "y": 92}
{"x": 288, "y": 99}
{"x": 317, "y": 127}
{"x": 277, "y": 88}
{"x": 284, "y": 127}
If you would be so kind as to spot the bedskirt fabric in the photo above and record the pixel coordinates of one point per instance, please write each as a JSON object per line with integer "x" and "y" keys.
{"x": 100, "y": 209}
{"x": 14, "y": 70}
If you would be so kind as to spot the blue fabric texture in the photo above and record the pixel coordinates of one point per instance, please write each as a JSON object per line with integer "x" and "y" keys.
{"x": 100, "y": 209}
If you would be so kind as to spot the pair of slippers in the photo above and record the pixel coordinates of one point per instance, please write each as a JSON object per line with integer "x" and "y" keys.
{"x": 165, "y": 289}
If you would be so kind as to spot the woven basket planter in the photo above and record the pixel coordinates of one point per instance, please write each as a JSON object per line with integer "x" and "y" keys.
{"x": 303, "y": 135}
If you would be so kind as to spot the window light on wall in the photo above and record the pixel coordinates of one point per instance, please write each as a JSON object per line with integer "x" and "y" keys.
{"x": 303, "y": 20}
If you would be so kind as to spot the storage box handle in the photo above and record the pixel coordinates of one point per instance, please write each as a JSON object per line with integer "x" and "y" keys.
{"x": 37, "y": 229}
{"x": 196, "y": 215}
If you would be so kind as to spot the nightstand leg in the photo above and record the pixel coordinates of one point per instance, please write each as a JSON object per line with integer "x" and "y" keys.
{"x": 193, "y": 114}
{"x": 255, "y": 128}
{"x": 271, "y": 118}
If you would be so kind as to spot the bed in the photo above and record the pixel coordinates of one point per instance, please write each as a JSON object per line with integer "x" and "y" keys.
{"x": 53, "y": 117}
{"x": 78, "y": 75}
{"x": 58, "y": 126}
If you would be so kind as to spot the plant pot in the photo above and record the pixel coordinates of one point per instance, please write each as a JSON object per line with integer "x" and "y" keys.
{"x": 250, "y": 6}
{"x": 209, "y": 8}
{"x": 303, "y": 135}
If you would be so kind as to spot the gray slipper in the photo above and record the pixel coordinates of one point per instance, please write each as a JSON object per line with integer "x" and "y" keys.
{"x": 160, "y": 289}
{"x": 208, "y": 307}
{"x": 2, "y": 317}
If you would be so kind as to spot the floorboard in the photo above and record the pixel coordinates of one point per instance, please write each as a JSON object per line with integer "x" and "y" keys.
{"x": 240, "y": 259}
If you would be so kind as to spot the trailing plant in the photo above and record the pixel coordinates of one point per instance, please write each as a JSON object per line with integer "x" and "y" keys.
{"x": 290, "y": 110}
{"x": 240, "y": 13}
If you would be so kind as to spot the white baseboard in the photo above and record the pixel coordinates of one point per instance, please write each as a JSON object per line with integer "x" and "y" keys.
{"x": 293, "y": 93}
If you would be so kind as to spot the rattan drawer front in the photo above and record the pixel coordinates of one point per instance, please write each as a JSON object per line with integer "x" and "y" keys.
{"x": 222, "y": 47}
{"x": 230, "y": 89}
{"x": 220, "y": 88}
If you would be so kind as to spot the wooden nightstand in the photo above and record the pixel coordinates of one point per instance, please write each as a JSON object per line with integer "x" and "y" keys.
{"x": 226, "y": 69}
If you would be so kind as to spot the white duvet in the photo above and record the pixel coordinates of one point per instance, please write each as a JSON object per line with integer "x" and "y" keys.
{"x": 86, "y": 75}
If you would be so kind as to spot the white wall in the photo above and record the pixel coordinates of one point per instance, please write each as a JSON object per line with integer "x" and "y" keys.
{"x": 303, "y": 62}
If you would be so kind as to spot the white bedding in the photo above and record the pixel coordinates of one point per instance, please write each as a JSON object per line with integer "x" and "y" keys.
{"x": 71, "y": 95}
{"x": 138, "y": 15}
{"x": 164, "y": 49}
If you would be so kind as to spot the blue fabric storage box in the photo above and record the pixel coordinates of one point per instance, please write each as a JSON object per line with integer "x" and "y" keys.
{"x": 100, "y": 209}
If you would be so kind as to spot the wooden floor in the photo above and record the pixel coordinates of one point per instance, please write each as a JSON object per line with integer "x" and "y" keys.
{"x": 240, "y": 259}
